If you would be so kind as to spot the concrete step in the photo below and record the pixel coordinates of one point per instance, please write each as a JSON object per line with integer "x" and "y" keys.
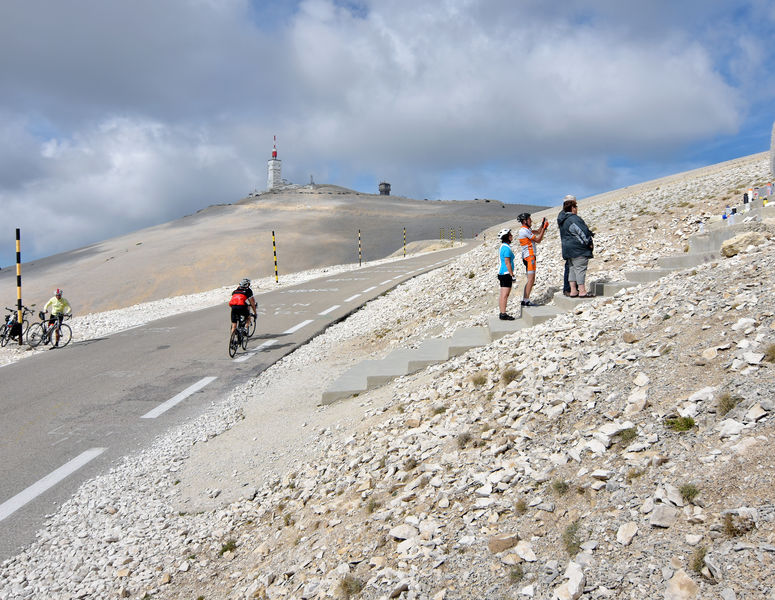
{"x": 379, "y": 372}
{"x": 349, "y": 384}
{"x": 500, "y": 328}
{"x": 466, "y": 338}
{"x": 647, "y": 275}
{"x": 413, "y": 359}
{"x": 609, "y": 288}
{"x": 533, "y": 315}
{"x": 564, "y": 302}
{"x": 687, "y": 260}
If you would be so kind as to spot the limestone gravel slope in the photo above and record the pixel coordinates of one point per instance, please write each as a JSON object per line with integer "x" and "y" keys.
{"x": 619, "y": 451}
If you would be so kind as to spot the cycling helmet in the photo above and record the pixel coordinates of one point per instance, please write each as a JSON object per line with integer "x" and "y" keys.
{"x": 58, "y": 292}
{"x": 245, "y": 282}
{"x": 503, "y": 232}
{"x": 523, "y": 217}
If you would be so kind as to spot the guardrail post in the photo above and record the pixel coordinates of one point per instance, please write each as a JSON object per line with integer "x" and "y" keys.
{"x": 19, "y": 284}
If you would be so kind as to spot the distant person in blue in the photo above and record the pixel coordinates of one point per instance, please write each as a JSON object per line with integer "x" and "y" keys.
{"x": 506, "y": 272}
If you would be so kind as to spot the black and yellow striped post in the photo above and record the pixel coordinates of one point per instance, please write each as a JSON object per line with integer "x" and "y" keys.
{"x": 461, "y": 234}
{"x": 274, "y": 250}
{"x": 19, "y": 284}
{"x": 360, "y": 255}
{"x": 404, "y": 242}
{"x": 452, "y": 235}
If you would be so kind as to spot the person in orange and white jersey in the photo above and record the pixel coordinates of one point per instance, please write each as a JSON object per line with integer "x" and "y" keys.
{"x": 528, "y": 238}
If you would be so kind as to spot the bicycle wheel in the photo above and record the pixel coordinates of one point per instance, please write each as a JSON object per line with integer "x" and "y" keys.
{"x": 252, "y": 329}
{"x": 3, "y": 336}
{"x": 25, "y": 327}
{"x": 233, "y": 344}
{"x": 244, "y": 340}
{"x": 65, "y": 335}
{"x": 35, "y": 334}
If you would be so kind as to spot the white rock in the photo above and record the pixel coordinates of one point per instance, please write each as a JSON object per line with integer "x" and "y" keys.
{"x": 729, "y": 427}
{"x": 525, "y": 551}
{"x": 663, "y": 516}
{"x": 403, "y": 532}
{"x": 641, "y": 379}
{"x": 626, "y": 532}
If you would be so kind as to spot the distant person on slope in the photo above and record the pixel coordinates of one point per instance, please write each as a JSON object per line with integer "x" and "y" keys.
{"x": 528, "y": 238}
{"x": 560, "y": 217}
{"x": 241, "y": 302}
{"x": 59, "y": 308}
{"x": 577, "y": 246}
{"x": 506, "y": 272}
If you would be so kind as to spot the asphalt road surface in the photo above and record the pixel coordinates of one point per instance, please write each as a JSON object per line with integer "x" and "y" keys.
{"x": 69, "y": 414}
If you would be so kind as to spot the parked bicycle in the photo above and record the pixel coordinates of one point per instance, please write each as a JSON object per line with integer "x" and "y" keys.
{"x": 239, "y": 337}
{"x": 45, "y": 331}
{"x": 7, "y": 329}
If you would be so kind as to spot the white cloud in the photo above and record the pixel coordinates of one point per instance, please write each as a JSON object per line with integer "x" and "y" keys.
{"x": 131, "y": 113}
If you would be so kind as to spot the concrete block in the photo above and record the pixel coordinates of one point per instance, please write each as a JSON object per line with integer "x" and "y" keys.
{"x": 533, "y": 315}
{"x": 349, "y": 384}
{"x": 499, "y": 328}
{"x": 647, "y": 275}
{"x": 687, "y": 260}
{"x": 609, "y": 288}
{"x": 466, "y": 338}
{"x": 566, "y": 303}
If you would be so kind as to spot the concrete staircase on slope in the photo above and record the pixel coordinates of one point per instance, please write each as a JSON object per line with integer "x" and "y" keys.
{"x": 370, "y": 374}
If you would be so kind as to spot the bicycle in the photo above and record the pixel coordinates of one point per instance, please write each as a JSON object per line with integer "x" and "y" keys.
{"x": 252, "y": 328}
{"x": 239, "y": 337}
{"x": 11, "y": 320}
{"x": 42, "y": 333}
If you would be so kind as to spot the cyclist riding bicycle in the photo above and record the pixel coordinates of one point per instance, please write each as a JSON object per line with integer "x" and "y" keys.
{"x": 59, "y": 308}
{"x": 241, "y": 302}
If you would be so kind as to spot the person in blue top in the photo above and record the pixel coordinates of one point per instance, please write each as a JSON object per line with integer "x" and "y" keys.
{"x": 506, "y": 272}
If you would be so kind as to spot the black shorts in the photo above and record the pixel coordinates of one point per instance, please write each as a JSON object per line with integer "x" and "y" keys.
{"x": 506, "y": 280}
{"x": 236, "y": 311}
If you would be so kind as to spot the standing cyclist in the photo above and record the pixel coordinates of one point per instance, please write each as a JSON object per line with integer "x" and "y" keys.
{"x": 59, "y": 308}
{"x": 528, "y": 238}
{"x": 241, "y": 302}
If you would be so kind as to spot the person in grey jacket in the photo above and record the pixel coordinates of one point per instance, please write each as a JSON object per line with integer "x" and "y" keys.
{"x": 577, "y": 246}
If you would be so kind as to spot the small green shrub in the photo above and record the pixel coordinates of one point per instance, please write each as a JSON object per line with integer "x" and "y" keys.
{"x": 628, "y": 435}
{"x": 727, "y": 402}
{"x": 410, "y": 464}
{"x": 463, "y": 439}
{"x": 349, "y": 586}
{"x": 679, "y": 423}
{"x": 229, "y": 546}
{"x": 510, "y": 375}
{"x": 479, "y": 379}
{"x": 570, "y": 538}
{"x": 735, "y": 526}
{"x": 372, "y": 505}
{"x": 633, "y": 474}
{"x": 520, "y": 507}
{"x": 698, "y": 559}
{"x": 560, "y": 487}
{"x": 769, "y": 353}
{"x": 288, "y": 520}
{"x": 516, "y": 574}
{"x": 689, "y": 492}
{"x": 439, "y": 410}
{"x": 471, "y": 275}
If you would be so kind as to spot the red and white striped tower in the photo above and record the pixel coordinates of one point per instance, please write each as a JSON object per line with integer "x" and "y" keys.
{"x": 274, "y": 170}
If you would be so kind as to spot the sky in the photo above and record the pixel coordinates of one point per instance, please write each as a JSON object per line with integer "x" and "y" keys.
{"x": 118, "y": 115}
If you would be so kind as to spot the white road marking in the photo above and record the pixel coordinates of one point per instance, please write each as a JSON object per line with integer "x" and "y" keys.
{"x": 295, "y": 328}
{"x": 250, "y": 355}
{"x": 386, "y": 282}
{"x": 367, "y": 290}
{"x": 351, "y": 298}
{"x": 266, "y": 344}
{"x": 165, "y": 406}
{"x": 9, "y": 507}
{"x": 329, "y": 310}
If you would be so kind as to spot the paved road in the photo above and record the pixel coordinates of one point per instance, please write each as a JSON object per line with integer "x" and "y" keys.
{"x": 68, "y": 414}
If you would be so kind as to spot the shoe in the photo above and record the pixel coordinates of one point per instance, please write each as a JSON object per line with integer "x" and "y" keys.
{"x": 527, "y": 303}
{"x": 505, "y": 317}
{"x": 587, "y": 295}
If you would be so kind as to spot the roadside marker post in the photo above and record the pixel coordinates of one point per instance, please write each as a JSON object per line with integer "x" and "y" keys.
{"x": 19, "y": 284}
{"x": 360, "y": 255}
{"x": 404, "y": 242}
{"x": 274, "y": 250}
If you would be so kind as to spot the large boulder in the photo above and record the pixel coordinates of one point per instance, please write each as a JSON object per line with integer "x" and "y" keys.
{"x": 737, "y": 244}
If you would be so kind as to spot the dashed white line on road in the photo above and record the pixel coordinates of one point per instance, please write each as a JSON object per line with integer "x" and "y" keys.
{"x": 386, "y": 282}
{"x": 329, "y": 310}
{"x": 250, "y": 355}
{"x": 295, "y": 328}
{"x": 367, "y": 290}
{"x": 165, "y": 406}
{"x": 9, "y": 507}
{"x": 351, "y": 298}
